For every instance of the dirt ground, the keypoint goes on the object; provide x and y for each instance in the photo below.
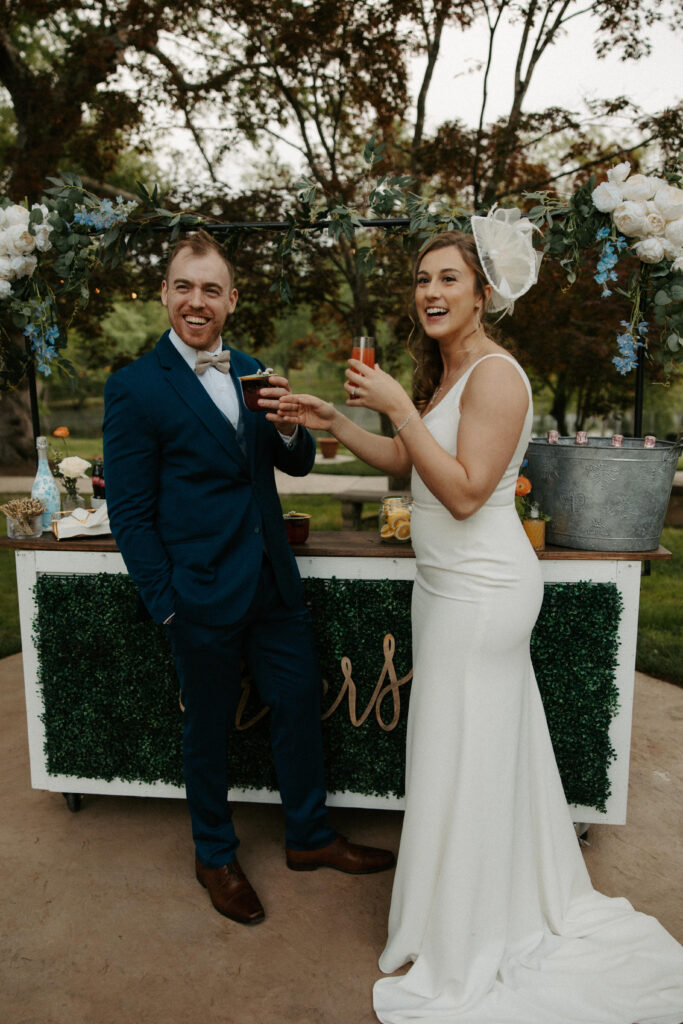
(103, 922)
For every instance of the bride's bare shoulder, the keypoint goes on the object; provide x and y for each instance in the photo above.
(497, 378)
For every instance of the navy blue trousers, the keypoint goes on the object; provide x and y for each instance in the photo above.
(277, 644)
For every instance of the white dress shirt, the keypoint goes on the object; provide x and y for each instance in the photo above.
(219, 386)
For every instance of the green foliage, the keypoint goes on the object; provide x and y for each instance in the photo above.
(574, 651)
(668, 309)
(111, 698)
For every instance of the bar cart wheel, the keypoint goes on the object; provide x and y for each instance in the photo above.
(73, 801)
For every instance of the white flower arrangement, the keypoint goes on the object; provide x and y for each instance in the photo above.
(643, 207)
(73, 466)
(20, 236)
(69, 470)
(646, 214)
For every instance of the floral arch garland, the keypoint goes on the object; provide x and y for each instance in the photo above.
(49, 251)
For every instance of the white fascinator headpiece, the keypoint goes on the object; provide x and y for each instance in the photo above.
(507, 255)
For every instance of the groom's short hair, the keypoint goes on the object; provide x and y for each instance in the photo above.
(201, 243)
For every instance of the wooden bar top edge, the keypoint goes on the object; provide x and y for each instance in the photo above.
(341, 544)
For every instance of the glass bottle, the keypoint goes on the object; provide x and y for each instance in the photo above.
(45, 486)
(553, 436)
(649, 441)
(97, 483)
(534, 527)
(581, 437)
(617, 441)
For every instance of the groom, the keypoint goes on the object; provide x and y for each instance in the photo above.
(194, 510)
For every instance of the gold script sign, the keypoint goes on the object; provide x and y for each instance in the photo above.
(388, 683)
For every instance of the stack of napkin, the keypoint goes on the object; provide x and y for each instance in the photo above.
(83, 522)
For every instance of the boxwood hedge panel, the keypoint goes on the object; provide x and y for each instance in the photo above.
(111, 697)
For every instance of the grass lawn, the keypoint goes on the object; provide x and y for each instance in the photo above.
(86, 447)
(660, 638)
(89, 447)
(10, 641)
(353, 468)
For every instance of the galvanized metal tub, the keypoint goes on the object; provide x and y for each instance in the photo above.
(601, 498)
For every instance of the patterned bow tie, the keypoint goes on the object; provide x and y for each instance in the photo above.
(220, 360)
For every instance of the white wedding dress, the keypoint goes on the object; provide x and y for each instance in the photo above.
(492, 902)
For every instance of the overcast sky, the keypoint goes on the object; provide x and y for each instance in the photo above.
(567, 72)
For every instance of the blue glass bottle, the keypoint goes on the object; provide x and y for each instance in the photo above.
(45, 486)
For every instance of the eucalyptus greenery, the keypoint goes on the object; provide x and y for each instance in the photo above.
(88, 232)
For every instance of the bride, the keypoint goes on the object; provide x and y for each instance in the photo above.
(492, 905)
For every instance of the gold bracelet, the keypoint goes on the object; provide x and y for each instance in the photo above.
(406, 420)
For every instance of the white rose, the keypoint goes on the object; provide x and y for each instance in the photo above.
(43, 209)
(654, 222)
(606, 197)
(73, 466)
(618, 174)
(676, 265)
(19, 240)
(671, 251)
(5, 269)
(23, 266)
(4, 245)
(42, 236)
(42, 231)
(650, 250)
(669, 200)
(638, 187)
(15, 216)
(674, 231)
(5, 289)
(629, 218)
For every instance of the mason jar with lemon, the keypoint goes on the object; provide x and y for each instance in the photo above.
(394, 519)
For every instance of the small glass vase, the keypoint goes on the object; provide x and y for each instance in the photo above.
(72, 501)
(31, 530)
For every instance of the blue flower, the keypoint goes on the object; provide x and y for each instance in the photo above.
(609, 257)
(628, 346)
(105, 215)
(43, 334)
(624, 365)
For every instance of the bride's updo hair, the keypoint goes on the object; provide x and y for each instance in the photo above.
(424, 350)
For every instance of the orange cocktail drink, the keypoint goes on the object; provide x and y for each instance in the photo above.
(364, 350)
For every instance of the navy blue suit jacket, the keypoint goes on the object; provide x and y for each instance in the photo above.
(190, 502)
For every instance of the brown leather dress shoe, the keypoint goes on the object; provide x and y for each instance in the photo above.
(230, 892)
(343, 856)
